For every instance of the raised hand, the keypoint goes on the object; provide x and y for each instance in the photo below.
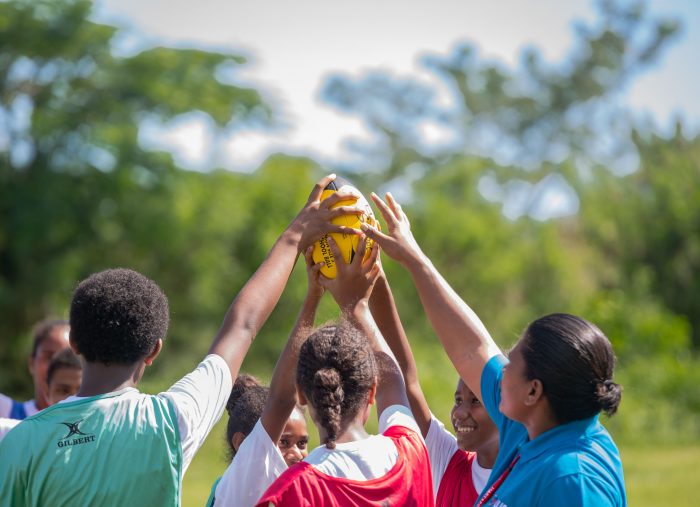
(399, 243)
(314, 219)
(313, 273)
(354, 281)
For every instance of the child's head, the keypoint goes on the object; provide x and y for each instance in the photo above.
(50, 337)
(64, 376)
(336, 374)
(118, 317)
(472, 423)
(245, 406)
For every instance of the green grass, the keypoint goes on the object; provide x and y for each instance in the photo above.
(661, 475)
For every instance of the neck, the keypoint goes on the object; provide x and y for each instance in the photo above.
(486, 454)
(100, 378)
(356, 431)
(540, 421)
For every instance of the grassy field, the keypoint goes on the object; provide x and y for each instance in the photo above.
(654, 475)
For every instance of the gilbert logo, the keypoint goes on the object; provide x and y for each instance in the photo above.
(74, 431)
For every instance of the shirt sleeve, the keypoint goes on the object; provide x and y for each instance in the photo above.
(578, 490)
(398, 415)
(199, 399)
(256, 465)
(441, 445)
(491, 388)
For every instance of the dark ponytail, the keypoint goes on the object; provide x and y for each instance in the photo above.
(336, 371)
(574, 361)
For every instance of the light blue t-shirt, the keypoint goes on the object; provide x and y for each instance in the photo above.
(575, 464)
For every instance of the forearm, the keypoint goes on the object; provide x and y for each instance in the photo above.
(386, 316)
(256, 300)
(282, 398)
(465, 338)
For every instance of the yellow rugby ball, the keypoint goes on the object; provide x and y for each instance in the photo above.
(347, 243)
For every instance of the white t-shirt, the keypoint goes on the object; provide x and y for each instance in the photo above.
(442, 445)
(6, 406)
(199, 399)
(6, 425)
(256, 465)
(370, 458)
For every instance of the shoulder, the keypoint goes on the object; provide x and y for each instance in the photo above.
(294, 482)
(581, 489)
(398, 416)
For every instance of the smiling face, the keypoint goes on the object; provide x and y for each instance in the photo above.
(293, 444)
(472, 424)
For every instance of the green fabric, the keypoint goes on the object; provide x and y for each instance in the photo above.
(212, 495)
(115, 449)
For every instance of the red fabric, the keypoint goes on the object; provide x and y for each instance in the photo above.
(408, 483)
(457, 487)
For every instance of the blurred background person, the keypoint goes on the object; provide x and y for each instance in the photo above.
(50, 337)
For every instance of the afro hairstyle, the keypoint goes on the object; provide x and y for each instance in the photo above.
(117, 316)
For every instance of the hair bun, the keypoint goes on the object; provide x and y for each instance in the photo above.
(242, 384)
(609, 395)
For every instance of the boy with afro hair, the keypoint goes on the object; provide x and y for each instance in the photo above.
(113, 445)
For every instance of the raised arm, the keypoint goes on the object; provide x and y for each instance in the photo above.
(386, 315)
(256, 300)
(282, 397)
(466, 340)
(351, 289)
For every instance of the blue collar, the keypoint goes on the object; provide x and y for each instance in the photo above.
(559, 436)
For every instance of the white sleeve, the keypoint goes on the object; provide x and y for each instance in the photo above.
(5, 405)
(199, 399)
(398, 415)
(6, 425)
(441, 445)
(256, 465)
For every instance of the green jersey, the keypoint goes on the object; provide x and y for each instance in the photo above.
(119, 448)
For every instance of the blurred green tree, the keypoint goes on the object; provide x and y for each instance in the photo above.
(78, 192)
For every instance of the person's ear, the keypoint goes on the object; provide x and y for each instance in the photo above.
(300, 396)
(535, 393)
(237, 440)
(148, 360)
(372, 393)
(72, 344)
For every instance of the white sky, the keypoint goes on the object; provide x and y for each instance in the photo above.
(291, 46)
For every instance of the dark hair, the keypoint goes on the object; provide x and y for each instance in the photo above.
(245, 406)
(63, 359)
(574, 361)
(335, 372)
(117, 316)
(43, 330)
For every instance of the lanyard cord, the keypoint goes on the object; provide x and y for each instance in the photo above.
(487, 496)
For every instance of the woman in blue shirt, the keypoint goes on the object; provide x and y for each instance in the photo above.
(545, 397)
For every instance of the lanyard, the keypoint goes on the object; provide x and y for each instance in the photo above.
(487, 496)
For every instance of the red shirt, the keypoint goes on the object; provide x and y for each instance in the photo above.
(456, 486)
(408, 483)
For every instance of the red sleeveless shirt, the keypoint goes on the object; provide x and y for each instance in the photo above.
(408, 483)
(456, 486)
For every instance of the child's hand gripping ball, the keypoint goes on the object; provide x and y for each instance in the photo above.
(348, 243)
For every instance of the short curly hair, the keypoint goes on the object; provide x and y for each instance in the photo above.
(117, 316)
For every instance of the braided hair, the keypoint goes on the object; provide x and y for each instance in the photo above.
(336, 371)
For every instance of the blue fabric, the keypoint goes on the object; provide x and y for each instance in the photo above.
(574, 464)
(18, 411)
